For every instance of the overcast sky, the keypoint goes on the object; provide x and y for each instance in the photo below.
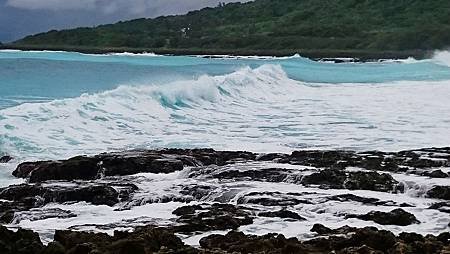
(23, 17)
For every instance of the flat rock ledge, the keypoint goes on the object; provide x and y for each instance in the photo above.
(172, 160)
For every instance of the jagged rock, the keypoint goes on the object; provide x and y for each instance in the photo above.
(273, 199)
(211, 217)
(328, 178)
(42, 214)
(373, 160)
(436, 174)
(322, 230)
(20, 242)
(5, 159)
(439, 192)
(84, 168)
(125, 163)
(276, 157)
(285, 214)
(198, 192)
(370, 181)
(237, 242)
(268, 174)
(27, 196)
(338, 179)
(366, 201)
(441, 206)
(143, 240)
(323, 159)
(95, 194)
(185, 210)
(395, 217)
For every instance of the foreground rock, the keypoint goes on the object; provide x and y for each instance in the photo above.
(395, 217)
(20, 242)
(145, 240)
(365, 240)
(142, 241)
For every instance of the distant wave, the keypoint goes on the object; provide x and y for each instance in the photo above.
(133, 54)
(442, 57)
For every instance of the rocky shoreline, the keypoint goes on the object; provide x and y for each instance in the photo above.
(378, 199)
(319, 55)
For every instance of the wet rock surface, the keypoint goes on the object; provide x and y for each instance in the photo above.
(126, 163)
(5, 159)
(395, 217)
(439, 192)
(208, 217)
(24, 197)
(162, 196)
(337, 179)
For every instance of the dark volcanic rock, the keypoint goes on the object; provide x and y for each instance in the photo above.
(374, 160)
(143, 240)
(330, 178)
(211, 217)
(338, 179)
(268, 174)
(237, 242)
(5, 159)
(285, 214)
(395, 217)
(436, 174)
(273, 199)
(323, 159)
(95, 194)
(322, 230)
(364, 240)
(370, 181)
(25, 197)
(441, 206)
(126, 163)
(439, 192)
(20, 242)
(84, 168)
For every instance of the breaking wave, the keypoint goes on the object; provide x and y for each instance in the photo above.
(257, 109)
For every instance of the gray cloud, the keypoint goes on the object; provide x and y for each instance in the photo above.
(54, 5)
(137, 7)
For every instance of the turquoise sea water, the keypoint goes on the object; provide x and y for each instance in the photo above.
(57, 104)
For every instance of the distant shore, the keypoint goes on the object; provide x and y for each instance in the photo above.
(362, 55)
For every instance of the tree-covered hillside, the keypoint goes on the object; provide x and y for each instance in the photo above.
(276, 25)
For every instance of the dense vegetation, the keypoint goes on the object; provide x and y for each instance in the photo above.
(276, 25)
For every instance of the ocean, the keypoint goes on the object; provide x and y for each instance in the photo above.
(54, 105)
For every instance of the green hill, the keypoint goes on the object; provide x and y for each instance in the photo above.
(273, 25)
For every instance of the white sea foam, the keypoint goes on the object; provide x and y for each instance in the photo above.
(260, 109)
(319, 209)
(442, 57)
(148, 54)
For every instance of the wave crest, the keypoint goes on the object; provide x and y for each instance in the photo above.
(442, 57)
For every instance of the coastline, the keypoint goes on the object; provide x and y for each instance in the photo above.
(198, 197)
(315, 54)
